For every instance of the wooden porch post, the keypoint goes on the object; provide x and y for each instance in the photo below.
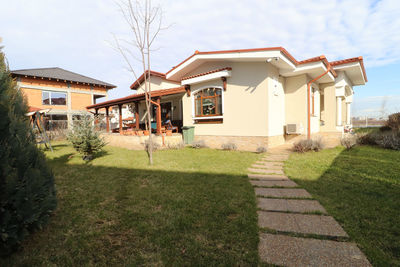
(137, 115)
(107, 120)
(158, 117)
(96, 117)
(120, 118)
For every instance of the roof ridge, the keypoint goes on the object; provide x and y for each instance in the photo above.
(205, 73)
(36, 69)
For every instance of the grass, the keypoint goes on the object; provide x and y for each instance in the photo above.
(366, 129)
(361, 189)
(194, 206)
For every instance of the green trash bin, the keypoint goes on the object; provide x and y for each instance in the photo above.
(188, 134)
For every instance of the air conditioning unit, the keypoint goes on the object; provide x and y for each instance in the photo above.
(294, 128)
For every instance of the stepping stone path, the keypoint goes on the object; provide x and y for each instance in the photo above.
(295, 230)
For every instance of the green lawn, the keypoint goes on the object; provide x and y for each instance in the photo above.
(361, 189)
(191, 207)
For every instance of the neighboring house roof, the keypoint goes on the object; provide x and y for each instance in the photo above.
(205, 73)
(60, 74)
(138, 97)
(140, 80)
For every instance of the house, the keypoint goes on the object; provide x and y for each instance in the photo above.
(252, 97)
(65, 93)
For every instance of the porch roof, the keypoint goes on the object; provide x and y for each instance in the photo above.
(138, 97)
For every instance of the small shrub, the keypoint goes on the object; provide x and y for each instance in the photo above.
(84, 138)
(308, 145)
(156, 146)
(348, 141)
(199, 144)
(229, 146)
(176, 146)
(261, 149)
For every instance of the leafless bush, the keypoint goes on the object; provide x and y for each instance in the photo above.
(393, 121)
(389, 140)
(261, 149)
(348, 141)
(176, 146)
(308, 145)
(199, 144)
(366, 138)
(229, 146)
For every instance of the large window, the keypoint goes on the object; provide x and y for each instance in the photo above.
(208, 102)
(54, 98)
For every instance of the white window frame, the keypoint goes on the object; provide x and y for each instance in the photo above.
(193, 93)
(50, 97)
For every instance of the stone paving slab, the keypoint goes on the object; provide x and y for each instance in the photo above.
(282, 192)
(266, 171)
(268, 177)
(274, 159)
(294, 251)
(281, 156)
(293, 205)
(264, 166)
(301, 223)
(270, 163)
(287, 183)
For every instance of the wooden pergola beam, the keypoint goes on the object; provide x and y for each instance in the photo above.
(223, 83)
(187, 88)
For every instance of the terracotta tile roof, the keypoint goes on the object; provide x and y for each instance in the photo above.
(350, 60)
(205, 73)
(279, 48)
(138, 97)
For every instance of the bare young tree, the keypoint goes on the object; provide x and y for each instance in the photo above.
(145, 23)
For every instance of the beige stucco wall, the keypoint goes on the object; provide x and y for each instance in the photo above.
(329, 112)
(157, 83)
(245, 100)
(296, 100)
(276, 102)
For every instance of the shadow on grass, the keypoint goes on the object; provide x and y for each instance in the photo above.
(361, 189)
(118, 216)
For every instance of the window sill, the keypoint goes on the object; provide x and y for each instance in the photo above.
(212, 120)
(207, 117)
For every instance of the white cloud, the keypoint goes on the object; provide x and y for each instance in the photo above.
(72, 34)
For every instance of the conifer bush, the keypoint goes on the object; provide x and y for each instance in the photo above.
(27, 192)
(84, 137)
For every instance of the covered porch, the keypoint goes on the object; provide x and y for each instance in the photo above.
(165, 106)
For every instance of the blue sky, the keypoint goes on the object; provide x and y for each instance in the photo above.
(75, 35)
